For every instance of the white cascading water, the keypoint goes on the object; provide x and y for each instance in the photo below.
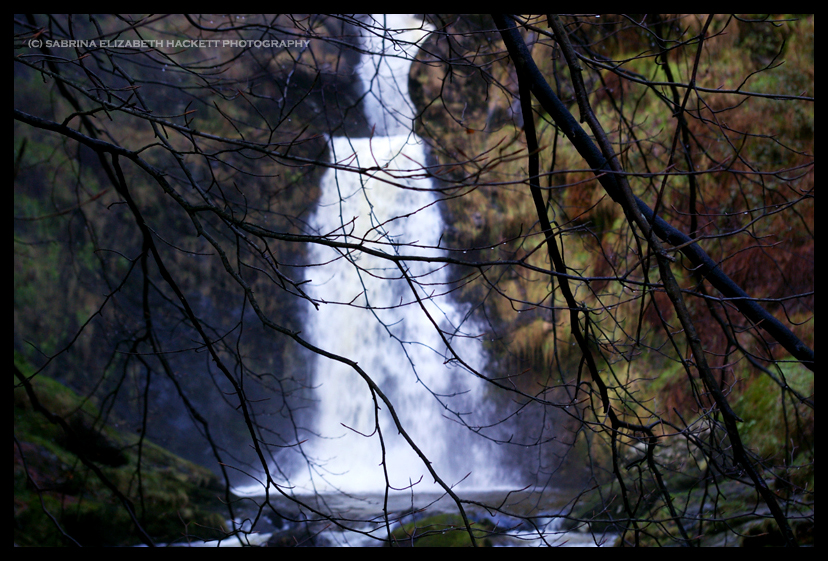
(370, 315)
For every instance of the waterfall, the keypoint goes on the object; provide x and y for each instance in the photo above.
(370, 314)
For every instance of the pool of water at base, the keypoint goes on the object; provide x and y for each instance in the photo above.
(522, 518)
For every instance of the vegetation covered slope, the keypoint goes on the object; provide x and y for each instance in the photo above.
(61, 450)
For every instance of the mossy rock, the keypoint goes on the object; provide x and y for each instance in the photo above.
(443, 530)
(59, 500)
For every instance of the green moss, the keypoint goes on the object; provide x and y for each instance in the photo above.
(56, 495)
(759, 404)
(442, 530)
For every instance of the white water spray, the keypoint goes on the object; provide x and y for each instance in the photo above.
(370, 314)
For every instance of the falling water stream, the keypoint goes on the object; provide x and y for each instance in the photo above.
(371, 314)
